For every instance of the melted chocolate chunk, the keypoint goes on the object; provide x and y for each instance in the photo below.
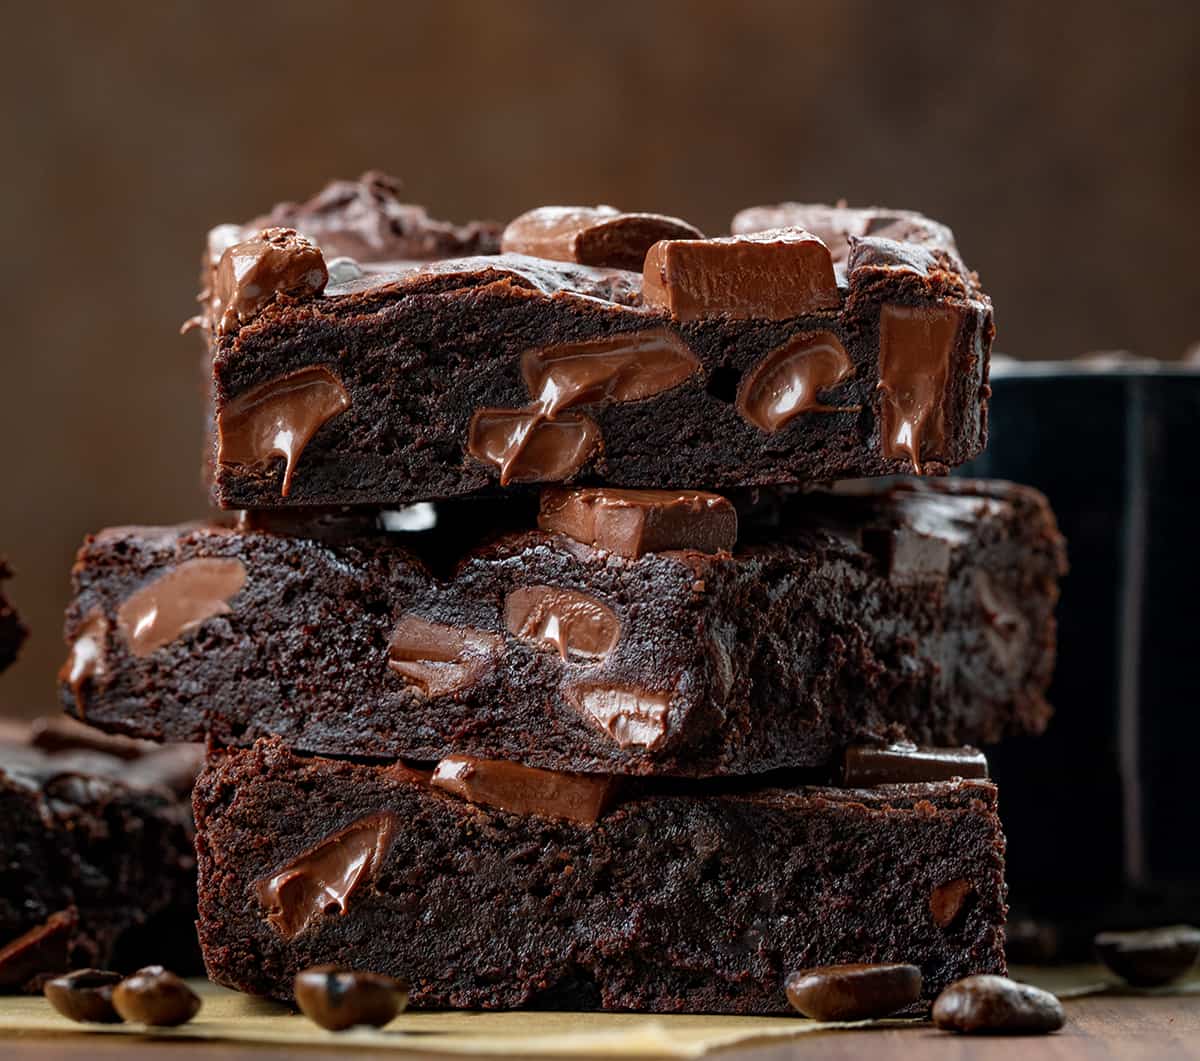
(632, 717)
(915, 344)
(278, 419)
(769, 275)
(439, 659)
(632, 522)
(575, 623)
(946, 901)
(521, 789)
(251, 273)
(619, 368)
(322, 880)
(178, 601)
(591, 235)
(87, 660)
(44, 948)
(853, 992)
(528, 448)
(788, 381)
(904, 764)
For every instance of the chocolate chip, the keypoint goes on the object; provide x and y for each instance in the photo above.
(1151, 957)
(789, 379)
(854, 992)
(251, 273)
(591, 235)
(528, 448)
(338, 999)
(996, 1004)
(577, 624)
(521, 789)
(85, 995)
(947, 900)
(904, 763)
(157, 997)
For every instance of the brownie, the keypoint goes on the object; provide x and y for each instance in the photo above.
(916, 609)
(664, 898)
(597, 347)
(96, 861)
(12, 631)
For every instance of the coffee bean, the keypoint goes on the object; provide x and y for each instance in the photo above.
(337, 998)
(155, 996)
(853, 992)
(996, 1004)
(84, 995)
(1152, 957)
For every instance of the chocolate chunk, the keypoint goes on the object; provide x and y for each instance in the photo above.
(528, 448)
(521, 789)
(1151, 957)
(877, 253)
(322, 880)
(337, 998)
(85, 995)
(591, 235)
(87, 660)
(769, 275)
(997, 1005)
(251, 273)
(854, 992)
(632, 717)
(177, 601)
(575, 623)
(904, 764)
(915, 344)
(278, 419)
(155, 996)
(632, 522)
(619, 368)
(908, 556)
(947, 901)
(788, 381)
(42, 949)
(439, 659)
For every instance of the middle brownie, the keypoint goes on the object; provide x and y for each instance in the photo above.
(902, 611)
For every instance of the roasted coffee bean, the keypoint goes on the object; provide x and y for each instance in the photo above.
(337, 998)
(853, 992)
(996, 1004)
(84, 995)
(155, 996)
(1150, 958)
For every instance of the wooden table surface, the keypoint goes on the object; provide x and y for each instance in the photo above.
(1098, 1027)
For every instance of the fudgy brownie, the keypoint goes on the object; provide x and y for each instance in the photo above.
(12, 631)
(96, 860)
(879, 611)
(598, 346)
(491, 885)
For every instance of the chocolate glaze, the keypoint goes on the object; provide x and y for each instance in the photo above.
(591, 235)
(251, 273)
(633, 522)
(575, 623)
(177, 601)
(521, 789)
(528, 448)
(915, 344)
(439, 659)
(279, 418)
(904, 763)
(769, 275)
(629, 716)
(87, 660)
(789, 379)
(324, 878)
(619, 368)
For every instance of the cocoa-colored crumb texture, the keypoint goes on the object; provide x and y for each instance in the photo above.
(12, 631)
(677, 900)
(895, 611)
(96, 857)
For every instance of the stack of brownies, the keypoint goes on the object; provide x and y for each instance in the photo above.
(500, 696)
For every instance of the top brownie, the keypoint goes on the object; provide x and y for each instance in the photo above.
(363, 353)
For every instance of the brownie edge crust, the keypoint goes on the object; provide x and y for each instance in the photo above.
(673, 900)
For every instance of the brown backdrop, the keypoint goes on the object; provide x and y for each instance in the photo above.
(1061, 141)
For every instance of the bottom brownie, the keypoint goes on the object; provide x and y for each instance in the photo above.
(96, 860)
(679, 897)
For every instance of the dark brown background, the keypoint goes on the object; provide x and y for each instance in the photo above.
(1061, 141)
